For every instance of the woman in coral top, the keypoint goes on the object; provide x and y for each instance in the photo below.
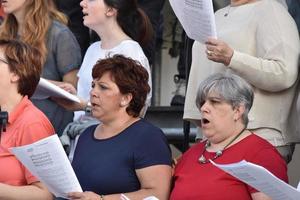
(26, 124)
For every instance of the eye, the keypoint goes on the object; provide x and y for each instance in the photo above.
(213, 101)
(93, 84)
(202, 103)
(103, 87)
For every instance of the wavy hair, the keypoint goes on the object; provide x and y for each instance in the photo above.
(130, 77)
(38, 18)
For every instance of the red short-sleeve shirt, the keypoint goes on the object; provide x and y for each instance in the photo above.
(206, 182)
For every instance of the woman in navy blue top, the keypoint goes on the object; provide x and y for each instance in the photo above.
(124, 153)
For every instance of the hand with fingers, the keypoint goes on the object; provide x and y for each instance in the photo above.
(70, 105)
(218, 51)
(67, 87)
(84, 196)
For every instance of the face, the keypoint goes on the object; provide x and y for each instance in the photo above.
(7, 78)
(15, 7)
(106, 99)
(218, 118)
(94, 13)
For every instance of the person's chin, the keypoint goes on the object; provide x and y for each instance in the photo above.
(85, 23)
(206, 131)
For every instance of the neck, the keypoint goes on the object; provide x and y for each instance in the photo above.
(113, 127)
(20, 15)
(111, 35)
(10, 103)
(234, 138)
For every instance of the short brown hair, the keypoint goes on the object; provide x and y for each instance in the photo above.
(130, 77)
(25, 61)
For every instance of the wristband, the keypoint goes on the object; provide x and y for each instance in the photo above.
(88, 109)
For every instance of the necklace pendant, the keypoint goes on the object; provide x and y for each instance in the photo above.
(202, 159)
(219, 153)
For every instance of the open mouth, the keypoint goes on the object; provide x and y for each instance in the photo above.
(84, 13)
(204, 121)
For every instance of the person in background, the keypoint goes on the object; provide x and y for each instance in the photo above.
(123, 144)
(264, 52)
(152, 8)
(224, 101)
(294, 10)
(38, 23)
(73, 10)
(122, 26)
(20, 68)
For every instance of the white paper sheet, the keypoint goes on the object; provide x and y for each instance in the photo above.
(196, 17)
(261, 179)
(47, 160)
(46, 89)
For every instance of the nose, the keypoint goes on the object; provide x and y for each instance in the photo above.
(83, 3)
(93, 93)
(204, 107)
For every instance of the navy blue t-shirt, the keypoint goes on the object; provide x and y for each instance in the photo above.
(107, 166)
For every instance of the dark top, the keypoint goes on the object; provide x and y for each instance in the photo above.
(108, 166)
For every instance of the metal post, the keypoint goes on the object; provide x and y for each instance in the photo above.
(188, 43)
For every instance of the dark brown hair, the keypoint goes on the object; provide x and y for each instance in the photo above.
(133, 20)
(25, 61)
(130, 77)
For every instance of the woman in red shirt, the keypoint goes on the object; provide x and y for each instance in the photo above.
(224, 101)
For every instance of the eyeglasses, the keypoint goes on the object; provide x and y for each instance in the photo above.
(3, 60)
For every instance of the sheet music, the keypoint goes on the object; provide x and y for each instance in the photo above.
(261, 179)
(46, 89)
(47, 160)
(196, 17)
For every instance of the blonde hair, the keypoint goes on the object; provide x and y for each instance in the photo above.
(38, 19)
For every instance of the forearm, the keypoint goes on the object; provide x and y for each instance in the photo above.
(259, 196)
(267, 74)
(140, 194)
(35, 191)
(71, 77)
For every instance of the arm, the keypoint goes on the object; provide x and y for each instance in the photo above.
(69, 82)
(151, 185)
(67, 55)
(271, 73)
(71, 77)
(259, 196)
(272, 65)
(35, 191)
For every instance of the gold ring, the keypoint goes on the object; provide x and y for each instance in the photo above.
(209, 52)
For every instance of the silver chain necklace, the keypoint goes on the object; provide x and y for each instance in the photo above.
(203, 160)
